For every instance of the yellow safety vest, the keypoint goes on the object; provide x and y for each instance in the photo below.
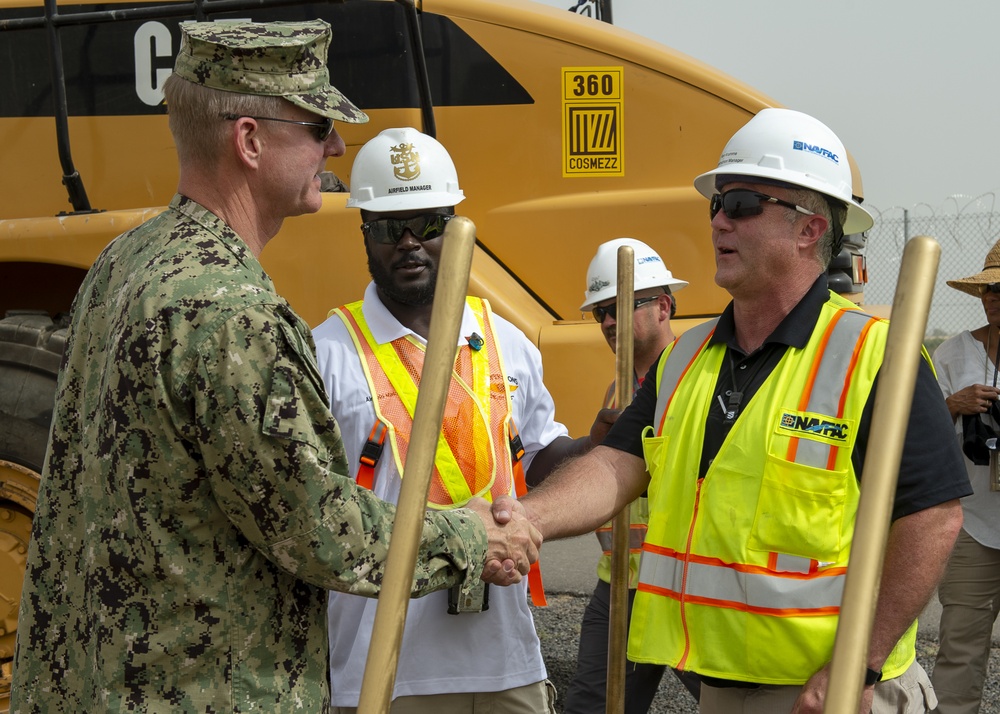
(638, 519)
(742, 571)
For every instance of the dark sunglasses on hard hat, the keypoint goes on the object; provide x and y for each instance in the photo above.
(989, 288)
(612, 309)
(743, 203)
(323, 128)
(389, 231)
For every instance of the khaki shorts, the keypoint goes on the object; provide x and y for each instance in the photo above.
(537, 698)
(909, 693)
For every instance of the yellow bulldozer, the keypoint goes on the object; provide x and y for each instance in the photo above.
(566, 131)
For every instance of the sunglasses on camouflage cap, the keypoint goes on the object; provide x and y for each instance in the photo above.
(389, 231)
(743, 203)
(323, 128)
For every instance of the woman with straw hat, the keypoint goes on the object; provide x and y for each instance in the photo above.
(970, 591)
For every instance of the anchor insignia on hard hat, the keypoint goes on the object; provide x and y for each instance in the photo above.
(405, 162)
(598, 284)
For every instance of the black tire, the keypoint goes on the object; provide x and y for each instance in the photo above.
(31, 348)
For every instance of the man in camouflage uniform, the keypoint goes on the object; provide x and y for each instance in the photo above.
(192, 510)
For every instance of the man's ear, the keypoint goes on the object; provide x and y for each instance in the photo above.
(665, 310)
(246, 141)
(813, 228)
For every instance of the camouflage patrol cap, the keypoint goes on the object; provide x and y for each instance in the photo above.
(280, 59)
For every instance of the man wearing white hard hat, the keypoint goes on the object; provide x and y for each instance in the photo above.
(654, 288)
(653, 308)
(753, 428)
(459, 654)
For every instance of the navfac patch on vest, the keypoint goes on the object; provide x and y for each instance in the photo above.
(819, 427)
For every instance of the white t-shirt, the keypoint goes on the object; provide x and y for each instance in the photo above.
(472, 652)
(961, 361)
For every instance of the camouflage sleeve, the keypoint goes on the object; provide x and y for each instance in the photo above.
(276, 461)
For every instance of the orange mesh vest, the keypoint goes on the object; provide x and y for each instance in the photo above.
(478, 451)
(472, 456)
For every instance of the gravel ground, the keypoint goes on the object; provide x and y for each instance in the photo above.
(558, 628)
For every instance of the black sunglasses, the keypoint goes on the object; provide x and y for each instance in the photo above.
(601, 312)
(989, 288)
(742, 203)
(389, 231)
(323, 128)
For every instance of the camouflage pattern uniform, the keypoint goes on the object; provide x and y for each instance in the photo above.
(193, 509)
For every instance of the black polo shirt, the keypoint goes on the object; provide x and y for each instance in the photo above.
(932, 470)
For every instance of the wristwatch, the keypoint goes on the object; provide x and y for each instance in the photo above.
(872, 676)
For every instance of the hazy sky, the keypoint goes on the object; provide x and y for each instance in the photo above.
(909, 86)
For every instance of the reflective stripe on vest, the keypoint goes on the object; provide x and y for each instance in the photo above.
(636, 536)
(675, 362)
(773, 569)
(744, 587)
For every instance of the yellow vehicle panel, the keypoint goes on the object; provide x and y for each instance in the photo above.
(537, 228)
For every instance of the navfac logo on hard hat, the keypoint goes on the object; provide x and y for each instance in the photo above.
(814, 149)
(405, 162)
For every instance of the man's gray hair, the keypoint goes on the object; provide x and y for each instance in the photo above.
(195, 114)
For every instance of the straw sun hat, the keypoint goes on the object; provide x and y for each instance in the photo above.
(989, 274)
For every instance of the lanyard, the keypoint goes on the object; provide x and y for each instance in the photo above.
(731, 406)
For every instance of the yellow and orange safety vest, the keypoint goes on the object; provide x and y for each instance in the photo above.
(742, 571)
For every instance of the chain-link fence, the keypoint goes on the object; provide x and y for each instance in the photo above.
(965, 227)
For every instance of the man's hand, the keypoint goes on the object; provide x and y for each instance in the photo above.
(503, 509)
(602, 425)
(974, 399)
(813, 696)
(513, 542)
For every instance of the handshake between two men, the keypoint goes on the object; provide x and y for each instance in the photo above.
(579, 496)
(512, 541)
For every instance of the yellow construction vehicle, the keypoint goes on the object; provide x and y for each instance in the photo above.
(566, 131)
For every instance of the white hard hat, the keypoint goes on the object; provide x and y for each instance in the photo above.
(602, 275)
(794, 148)
(401, 170)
